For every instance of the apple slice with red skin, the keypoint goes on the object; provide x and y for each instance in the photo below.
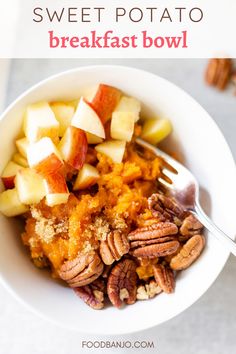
(105, 101)
(9, 174)
(73, 147)
(87, 119)
(44, 157)
(56, 189)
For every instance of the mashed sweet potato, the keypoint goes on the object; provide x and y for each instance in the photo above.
(118, 201)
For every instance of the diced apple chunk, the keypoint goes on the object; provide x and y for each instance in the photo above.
(20, 160)
(40, 121)
(44, 157)
(105, 101)
(9, 174)
(56, 199)
(63, 113)
(129, 104)
(93, 139)
(10, 204)
(30, 186)
(56, 189)
(155, 130)
(122, 125)
(22, 146)
(73, 147)
(87, 176)
(114, 149)
(87, 119)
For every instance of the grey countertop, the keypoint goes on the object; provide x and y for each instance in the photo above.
(209, 326)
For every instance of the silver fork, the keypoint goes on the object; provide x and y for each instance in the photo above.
(184, 187)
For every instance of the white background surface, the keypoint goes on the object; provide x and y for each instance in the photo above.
(210, 324)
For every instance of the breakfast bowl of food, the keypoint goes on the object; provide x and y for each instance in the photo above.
(91, 238)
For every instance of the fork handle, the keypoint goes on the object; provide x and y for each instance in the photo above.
(228, 243)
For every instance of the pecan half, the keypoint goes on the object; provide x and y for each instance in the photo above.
(218, 72)
(92, 294)
(114, 247)
(135, 244)
(156, 250)
(164, 208)
(191, 226)
(188, 253)
(148, 290)
(122, 283)
(154, 241)
(154, 231)
(82, 270)
(164, 277)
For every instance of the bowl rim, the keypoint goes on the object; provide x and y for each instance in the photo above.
(58, 75)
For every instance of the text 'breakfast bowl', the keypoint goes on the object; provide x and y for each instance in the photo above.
(130, 233)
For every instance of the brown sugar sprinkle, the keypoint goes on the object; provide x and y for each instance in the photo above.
(119, 223)
(48, 228)
(100, 227)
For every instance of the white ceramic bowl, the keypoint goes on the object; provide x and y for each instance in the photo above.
(206, 154)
